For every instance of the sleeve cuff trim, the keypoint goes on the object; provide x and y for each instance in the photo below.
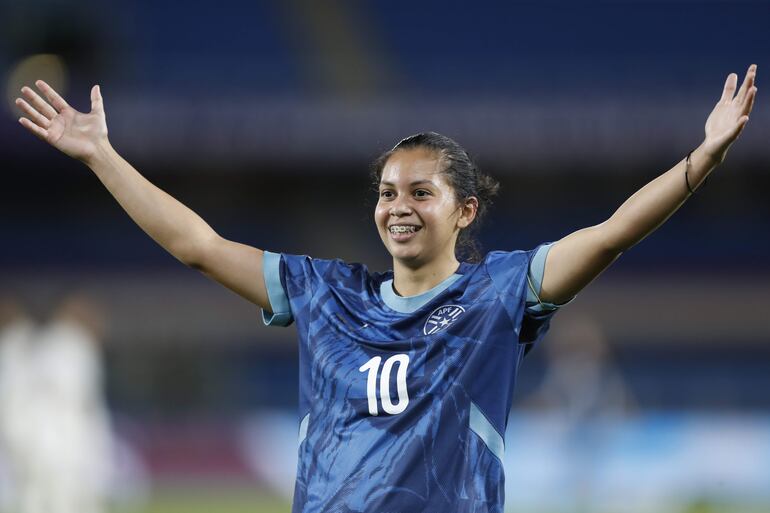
(271, 268)
(535, 281)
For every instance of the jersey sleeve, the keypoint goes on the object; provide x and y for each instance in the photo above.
(535, 282)
(293, 280)
(518, 276)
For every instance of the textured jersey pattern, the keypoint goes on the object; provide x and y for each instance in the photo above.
(441, 452)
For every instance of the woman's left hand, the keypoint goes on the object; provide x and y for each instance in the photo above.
(730, 115)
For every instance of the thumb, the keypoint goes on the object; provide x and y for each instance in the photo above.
(96, 99)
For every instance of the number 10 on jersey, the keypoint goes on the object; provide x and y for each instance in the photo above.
(373, 366)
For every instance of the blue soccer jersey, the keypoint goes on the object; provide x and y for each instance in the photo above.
(404, 400)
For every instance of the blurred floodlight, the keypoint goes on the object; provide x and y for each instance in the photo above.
(45, 66)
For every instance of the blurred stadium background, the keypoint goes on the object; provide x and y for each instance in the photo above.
(651, 392)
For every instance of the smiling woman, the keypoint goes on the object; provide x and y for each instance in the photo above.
(430, 195)
(406, 377)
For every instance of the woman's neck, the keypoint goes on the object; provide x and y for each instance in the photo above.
(408, 281)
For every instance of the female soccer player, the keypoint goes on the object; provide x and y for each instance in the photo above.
(406, 377)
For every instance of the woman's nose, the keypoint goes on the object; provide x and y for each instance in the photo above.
(400, 207)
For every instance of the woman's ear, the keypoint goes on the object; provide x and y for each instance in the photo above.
(468, 212)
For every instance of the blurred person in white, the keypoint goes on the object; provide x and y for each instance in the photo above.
(16, 330)
(55, 427)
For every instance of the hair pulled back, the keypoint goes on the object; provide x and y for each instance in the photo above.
(462, 174)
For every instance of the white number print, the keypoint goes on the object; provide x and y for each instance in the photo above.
(373, 366)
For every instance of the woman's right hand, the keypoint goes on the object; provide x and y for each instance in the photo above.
(77, 134)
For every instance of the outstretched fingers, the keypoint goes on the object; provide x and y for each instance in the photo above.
(33, 114)
(38, 103)
(729, 89)
(748, 82)
(53, 97)
(40, 132)
(749, 100)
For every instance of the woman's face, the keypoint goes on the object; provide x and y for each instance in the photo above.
(417, 215)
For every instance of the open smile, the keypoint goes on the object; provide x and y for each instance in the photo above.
(403, 232)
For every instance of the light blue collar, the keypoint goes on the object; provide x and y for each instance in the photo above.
(409, 304)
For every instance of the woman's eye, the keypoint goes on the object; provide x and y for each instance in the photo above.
(386, 194)
(421, 193)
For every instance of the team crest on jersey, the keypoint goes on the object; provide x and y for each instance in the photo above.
(441, 318)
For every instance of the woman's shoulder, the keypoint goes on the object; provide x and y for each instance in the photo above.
(331, 270)
(516, 255)
(505, 257)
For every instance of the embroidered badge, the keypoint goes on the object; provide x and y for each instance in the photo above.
(441, 318)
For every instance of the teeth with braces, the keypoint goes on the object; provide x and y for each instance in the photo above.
(403, 229)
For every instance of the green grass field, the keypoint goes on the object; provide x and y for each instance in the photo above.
(210, 501)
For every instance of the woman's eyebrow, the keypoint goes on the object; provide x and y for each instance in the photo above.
(416, 182)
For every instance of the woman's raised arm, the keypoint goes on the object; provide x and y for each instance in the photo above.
(574, 261)
(178, 229)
